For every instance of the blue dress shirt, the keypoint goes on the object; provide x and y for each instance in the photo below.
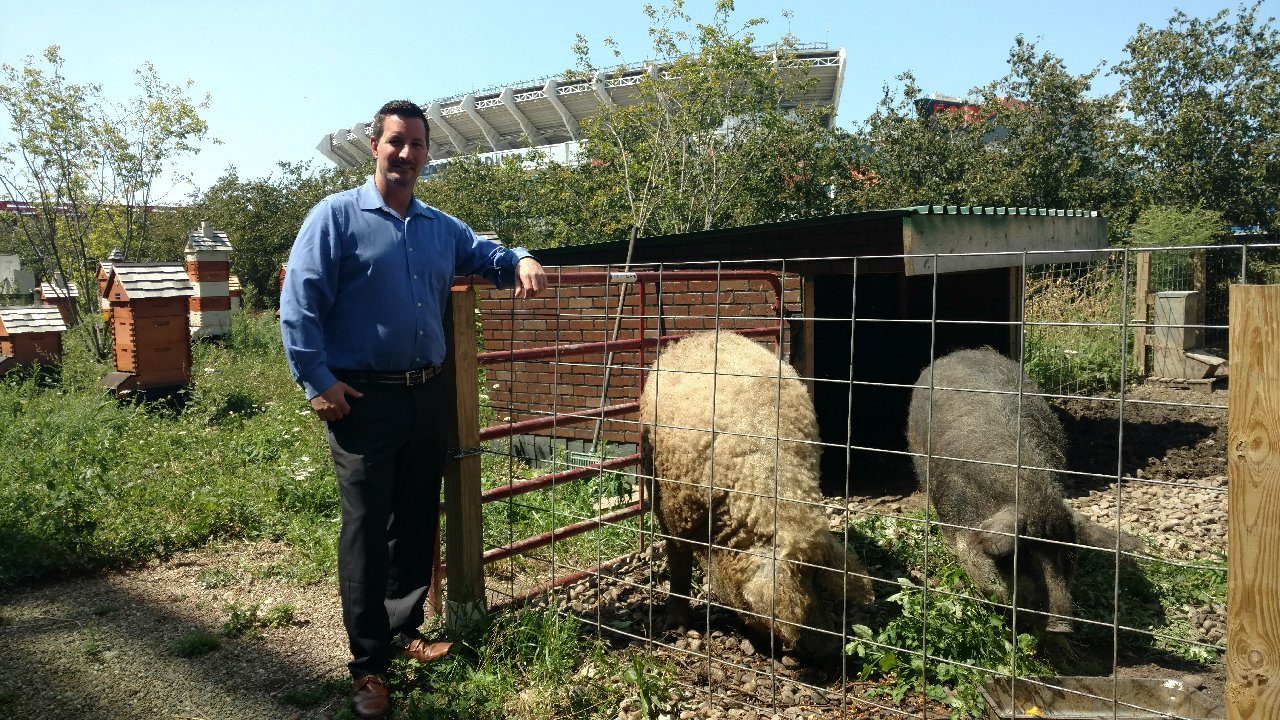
(365, 289)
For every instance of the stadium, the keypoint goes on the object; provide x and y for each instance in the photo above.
(544, 114)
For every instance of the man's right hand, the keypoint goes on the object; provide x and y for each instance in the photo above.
(332, 404)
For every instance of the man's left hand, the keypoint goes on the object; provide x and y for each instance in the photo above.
(531, 279)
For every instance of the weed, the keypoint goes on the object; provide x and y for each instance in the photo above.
(278, 616)
(8, 697)
(1086, 355)
(313, 695)
(195, 644)
(104, 610)
(652, 683)
(215, 578)
(241, 619)
(92, 645)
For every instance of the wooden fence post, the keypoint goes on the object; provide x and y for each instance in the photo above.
(465, 605)
(1253, 511)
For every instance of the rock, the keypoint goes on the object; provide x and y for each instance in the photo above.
(746, 647)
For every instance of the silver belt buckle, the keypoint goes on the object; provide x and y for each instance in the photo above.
(408, 377)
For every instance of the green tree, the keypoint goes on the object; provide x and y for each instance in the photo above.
(152, 131)
(261, 216)
(1165, 226)
(85, 170)
(1205, 129)
(1036, 137)
(688, 155)
(51, 164)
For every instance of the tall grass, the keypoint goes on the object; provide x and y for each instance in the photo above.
(90, 482)
(1073, 341)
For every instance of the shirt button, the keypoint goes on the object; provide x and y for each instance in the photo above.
(415, 277)
(419, 332)
(419, 304)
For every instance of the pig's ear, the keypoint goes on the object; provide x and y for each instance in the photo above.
(995, 536)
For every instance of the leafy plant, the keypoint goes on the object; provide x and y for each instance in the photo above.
(246, 619)
(92, 645)
(944, 641)
(241, 619)
(195, 644)
(278, 616)
(215, 578)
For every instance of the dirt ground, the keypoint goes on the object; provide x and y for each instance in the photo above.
(101, 647)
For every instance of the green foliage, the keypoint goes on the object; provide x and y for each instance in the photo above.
(262, 217)
(1203, 94)
(88, 168)
(89, 482)
(313, 695)
(195, 644)
(1166, 226)
(529, 664)
(215, 578)
(92, 645)
(247, 619)
(558, 505)
(1086, 355)
(1037, 138)
(944, 640)
(948, 641)
(241, 619)
(278, 616)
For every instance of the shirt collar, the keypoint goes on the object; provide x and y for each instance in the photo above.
(370, 199)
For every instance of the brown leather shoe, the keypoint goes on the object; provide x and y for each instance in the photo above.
(424, 651)
(369, 696)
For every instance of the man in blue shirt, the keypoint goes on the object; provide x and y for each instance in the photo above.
(361, 315)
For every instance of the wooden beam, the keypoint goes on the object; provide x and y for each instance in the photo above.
(972, 242)
(802, 333)
(465, 605)
(1253, 510)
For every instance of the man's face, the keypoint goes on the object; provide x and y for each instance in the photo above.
(401, 152)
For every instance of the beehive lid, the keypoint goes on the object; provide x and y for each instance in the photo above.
(141, 281)
(35, 319)
(207, 241)
(52, 290)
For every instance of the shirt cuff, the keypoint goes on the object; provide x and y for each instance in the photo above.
(317, 382)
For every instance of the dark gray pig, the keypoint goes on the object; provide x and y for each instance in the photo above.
(955, 431)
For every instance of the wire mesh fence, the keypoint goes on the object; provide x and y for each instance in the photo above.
(1052, 518)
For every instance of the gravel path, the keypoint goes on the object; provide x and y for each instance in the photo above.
(100, 647)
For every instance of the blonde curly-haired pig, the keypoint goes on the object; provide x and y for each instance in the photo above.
(741, 470)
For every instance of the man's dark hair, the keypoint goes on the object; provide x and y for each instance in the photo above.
(402, 109)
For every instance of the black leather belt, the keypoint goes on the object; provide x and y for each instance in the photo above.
(412, 377)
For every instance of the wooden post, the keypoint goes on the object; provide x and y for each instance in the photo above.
(1253, 511)
(465, 605)
(1142, 286)
(802, 333)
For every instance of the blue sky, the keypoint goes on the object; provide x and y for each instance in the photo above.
(281, 74)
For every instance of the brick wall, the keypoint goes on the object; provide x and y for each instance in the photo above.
(585, 313)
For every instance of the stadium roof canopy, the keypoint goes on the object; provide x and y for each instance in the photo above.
(546, 112)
